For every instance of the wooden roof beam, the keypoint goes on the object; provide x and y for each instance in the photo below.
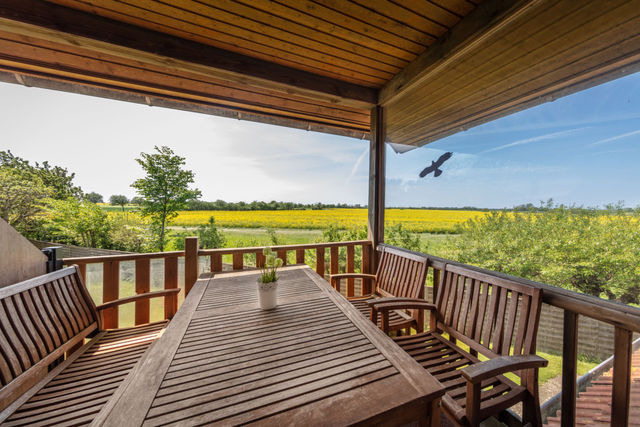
(65, 25)
(489, 17)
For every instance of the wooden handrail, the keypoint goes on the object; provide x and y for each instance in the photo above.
(277, 248)
(120, 257)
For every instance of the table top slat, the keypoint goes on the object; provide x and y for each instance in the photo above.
(229, 362)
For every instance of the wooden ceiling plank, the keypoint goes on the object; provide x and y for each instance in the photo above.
(321, 26)
(105, 69)
(496, 57)
(169, 20)
(365, 19)
(75, 27)
(405, 16)
(284, 28)
(432, 11)
(459, 7)
(591, 67)
(494, 78)
(474, 29)
(205, 17)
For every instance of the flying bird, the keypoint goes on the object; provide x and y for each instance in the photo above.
(436, 165)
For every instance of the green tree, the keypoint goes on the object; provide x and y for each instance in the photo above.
(22, 197)
(119, 200)
(94, 197)
(56, 178)
(165, 189)
(210, 236)
(81, 223)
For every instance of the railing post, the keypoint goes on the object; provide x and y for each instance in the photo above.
(190, 263)
(110, 292)
(170, 282)
(569, 368)
(621, 377)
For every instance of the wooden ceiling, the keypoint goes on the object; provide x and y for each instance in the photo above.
(436, 66)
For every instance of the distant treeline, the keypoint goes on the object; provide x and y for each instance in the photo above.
(221, 205)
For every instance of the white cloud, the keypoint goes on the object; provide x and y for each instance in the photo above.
(615, 138)
(533, 139)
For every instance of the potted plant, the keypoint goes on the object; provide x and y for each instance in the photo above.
(268, 280)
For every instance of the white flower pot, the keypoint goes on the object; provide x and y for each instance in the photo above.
(268, 295)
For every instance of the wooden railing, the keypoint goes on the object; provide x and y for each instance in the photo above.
(624, 318)
(323, 257)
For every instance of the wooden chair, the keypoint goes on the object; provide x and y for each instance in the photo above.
(486, 315)
(401, 273)
(42, 319)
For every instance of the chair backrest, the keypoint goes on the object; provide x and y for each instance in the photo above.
(40, 319)
(401, 273)
(492, 315)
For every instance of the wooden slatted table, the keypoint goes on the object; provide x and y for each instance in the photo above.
(314, 360)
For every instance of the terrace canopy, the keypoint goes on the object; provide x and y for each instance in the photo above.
(404, 71)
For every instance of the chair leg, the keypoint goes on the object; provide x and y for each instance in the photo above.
(531, 403)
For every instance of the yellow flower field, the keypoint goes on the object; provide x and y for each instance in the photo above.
(415, 220)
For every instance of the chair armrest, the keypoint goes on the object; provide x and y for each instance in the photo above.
(386, 304)
(500, 365)
(146, 295)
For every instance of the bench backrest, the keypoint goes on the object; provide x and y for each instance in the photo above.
(492, 315)
(40, 319)
(401, 273)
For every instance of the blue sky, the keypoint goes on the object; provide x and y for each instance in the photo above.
(582, 149)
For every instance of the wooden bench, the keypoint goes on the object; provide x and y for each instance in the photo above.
(43, 319)
(401, 273)
(477, 313)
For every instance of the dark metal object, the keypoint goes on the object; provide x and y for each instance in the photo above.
(435, 166)
(53, 264)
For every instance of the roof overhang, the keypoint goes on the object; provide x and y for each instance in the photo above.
(436, 68)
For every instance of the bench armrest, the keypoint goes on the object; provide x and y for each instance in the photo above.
(146, 295)
(500, 365)
(384, 305)
(393, 303)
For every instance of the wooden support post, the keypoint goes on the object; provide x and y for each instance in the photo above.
(170, 282)
(110, 292)
(376, 180)
(190, 263)
(569, 368)
(260, 259)
(82, 271)
(142, 286)
(299, 256)
(621, 377)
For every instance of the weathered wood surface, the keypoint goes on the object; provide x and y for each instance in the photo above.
(312, 360)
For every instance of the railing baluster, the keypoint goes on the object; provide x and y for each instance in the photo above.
(82, 271)
(260, 259)
(282, 254)
(569, 367)
(170, 282)
(142, 286)
(621, 376)
(320, 261)
(238, 261)
(216, 262)
(299, 256)
(335, 260)
(366, 268)
(110, 292)
(351, 254)
(190, 263)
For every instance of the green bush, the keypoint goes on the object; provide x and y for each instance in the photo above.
(596, 252)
